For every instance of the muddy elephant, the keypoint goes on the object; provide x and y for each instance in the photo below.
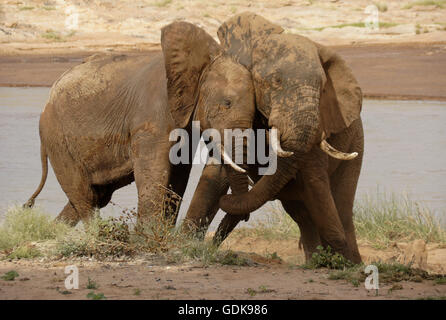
(108, 120)
(308, 93)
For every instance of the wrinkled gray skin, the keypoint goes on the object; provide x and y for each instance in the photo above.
(107, 121)
(303, 89)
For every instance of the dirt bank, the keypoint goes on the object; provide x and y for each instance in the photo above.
(406, 71)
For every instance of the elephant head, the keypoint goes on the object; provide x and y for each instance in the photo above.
(204, 81)
(305, 90)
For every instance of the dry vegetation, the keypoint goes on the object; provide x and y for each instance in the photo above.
(381, 221)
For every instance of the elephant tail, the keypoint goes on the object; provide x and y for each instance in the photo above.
(44, 160)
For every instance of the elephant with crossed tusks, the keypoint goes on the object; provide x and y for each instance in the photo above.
(309, 95)
(108, 120)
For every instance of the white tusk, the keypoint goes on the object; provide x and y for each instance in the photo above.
(250, 182)
(332, 152)
(275, 144)
(227, 159)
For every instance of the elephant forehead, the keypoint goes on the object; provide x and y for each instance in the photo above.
(286, 49)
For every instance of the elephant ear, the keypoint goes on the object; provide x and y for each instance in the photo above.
(239, 34)
(187, 50)
(341, 98)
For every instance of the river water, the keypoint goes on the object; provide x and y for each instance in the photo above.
(405, 153)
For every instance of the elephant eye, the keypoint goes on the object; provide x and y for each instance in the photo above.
(227, 103)
(277, 79)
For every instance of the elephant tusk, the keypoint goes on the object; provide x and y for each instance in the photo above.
(275, 144)
(227, 159)
(332, 152)
(250, 182)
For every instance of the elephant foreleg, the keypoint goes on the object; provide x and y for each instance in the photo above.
(309, 235)
(344, 181)
(319, 201)
(151, 169)
(205, 202)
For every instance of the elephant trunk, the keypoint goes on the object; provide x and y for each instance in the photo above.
(299, 130)
(264, 190)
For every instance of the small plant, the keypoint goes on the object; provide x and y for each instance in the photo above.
(52, 35)
(274, 256)
(96, 296)
(26, 8)
(137, 292)
(91, 284)
(10, 275)
(251, 292)
(395, 287)
(24, 252)
(382, 7)
(264, 289)
(325, 258)
(440, 280)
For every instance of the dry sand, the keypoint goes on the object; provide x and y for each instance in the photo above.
(265, 278)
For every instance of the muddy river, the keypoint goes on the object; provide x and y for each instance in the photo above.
(405, 152)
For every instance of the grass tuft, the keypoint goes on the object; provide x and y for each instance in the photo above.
(384, 219)
(26, 8)
(162, 3)
(325, 258)
(10, 275)
(22, 226)
(382, 7)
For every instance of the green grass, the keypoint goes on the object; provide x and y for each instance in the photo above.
(24, 252)
(96, 296)
(325, 258)
(26, 8)
(91, 284)
(437, 3)
(52, 35)
(383, 219)
(10, 275)
(22, 226)
(380, 221)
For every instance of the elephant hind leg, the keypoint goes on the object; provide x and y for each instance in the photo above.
(75, 182)
(69, 215)
(309, 235)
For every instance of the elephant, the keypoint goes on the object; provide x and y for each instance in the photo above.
(108, 120)
(308, 93)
